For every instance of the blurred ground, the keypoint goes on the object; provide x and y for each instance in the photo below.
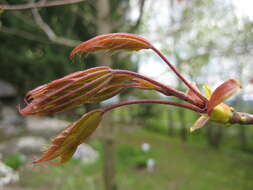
(177, 166)
(15, 188)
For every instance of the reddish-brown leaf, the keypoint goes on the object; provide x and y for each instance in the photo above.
(67, 92)
(199, 123)
(193, 95)
(222, 93)
(88, 86)
(65, 144)
(112, 42)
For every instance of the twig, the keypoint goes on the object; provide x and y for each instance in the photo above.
(167, 89)
(39, 5)
(23, 34)
(49, 31)
(187, 83)
(241, 118)
(138, 21)
(149, 101)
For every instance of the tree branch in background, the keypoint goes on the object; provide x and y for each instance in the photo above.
(134, 27)
(23, 34)
(40, 4)
(49, 31)
(138, 21)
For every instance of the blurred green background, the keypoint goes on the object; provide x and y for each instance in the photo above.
(140, 146)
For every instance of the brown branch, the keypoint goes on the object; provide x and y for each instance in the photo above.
(49, 31)
(39, 5)
(241, 118)
(138, 21)
(23, 34)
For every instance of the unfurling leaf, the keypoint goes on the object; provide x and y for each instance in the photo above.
(112, 42)
(193, 95)
(199, 123)
(106, 93)
(65, 144)
(222, 93)
(88, 86)
(67, 92)
(208, 91)
(143, 84)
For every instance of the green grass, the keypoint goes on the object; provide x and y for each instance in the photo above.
(178, 166)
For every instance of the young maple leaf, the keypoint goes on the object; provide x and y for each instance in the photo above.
(112, 42)
(65, 144)
(88, 86)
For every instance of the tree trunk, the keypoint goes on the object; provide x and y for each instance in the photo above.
(109, 166)
(171, 130)
(243, 137)
(104, 26)
(214, 135)
(183, 129)
(109, 173)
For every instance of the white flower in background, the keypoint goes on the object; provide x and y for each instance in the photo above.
(145, 147)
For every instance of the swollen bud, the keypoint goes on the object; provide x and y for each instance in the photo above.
(221, 114)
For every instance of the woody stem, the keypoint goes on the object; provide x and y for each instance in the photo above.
(186, 106)
(178, 74)
(241, 118)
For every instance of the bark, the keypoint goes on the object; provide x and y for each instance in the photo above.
(103, 27)
(241, 118)
(109, 169)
